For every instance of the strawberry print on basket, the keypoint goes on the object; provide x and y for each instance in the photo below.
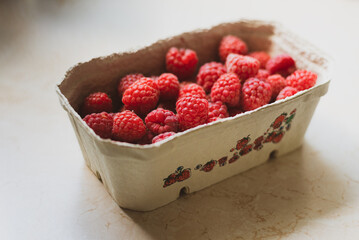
(243, 146)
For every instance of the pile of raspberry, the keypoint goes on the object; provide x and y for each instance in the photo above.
(157, 107)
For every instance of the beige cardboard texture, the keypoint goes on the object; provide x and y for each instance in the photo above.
(145, 177)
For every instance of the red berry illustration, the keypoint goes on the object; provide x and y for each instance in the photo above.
(232, 149)
(171, 179)
(233, 158)
(243, 142)
(278, 137)
(279, 120)
(183, 175)
(269, 137)
(209, 166)
(246, 150)
(258, 143)
(222, 161)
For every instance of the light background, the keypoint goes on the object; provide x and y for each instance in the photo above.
(46, 191)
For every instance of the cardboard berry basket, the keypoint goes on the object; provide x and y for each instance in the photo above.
(145, 177)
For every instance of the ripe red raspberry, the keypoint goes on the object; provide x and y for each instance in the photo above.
(262, 57)
(142, 96)
(217, 109)
(162, 136)
(234, 111)
(227, 89)
(255, 93)
(101, 123)
(191, 111)
(209, 73)
(181, 62)
(277, 83)
(128, 127)
(280, 63)
(244, 66)
(168, 85)
(286, 92)
(96, 103)
(146, 139)
(302, 79)
(231, 44)
(160, 120)
(262, 74)
(192, 90)
(127, 81)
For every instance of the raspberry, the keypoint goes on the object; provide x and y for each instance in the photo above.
(262, 74)
(181, 62)
(280, 63)
(286, 92)
(192, 90)
(234, 111)
(127, 81)
(162, 136)
(209, 73)
(217, 109)
(302, 79)
(128, 127)
(191, 111)
(277, 83)
(244, 66)
(96, 103)
(262, 57)
(101, 123)
(146, 139)
(255, 93)
(285, 73)
(231, 44)
(160, 120)
(227, 89)
(142, 96)
(168, 85)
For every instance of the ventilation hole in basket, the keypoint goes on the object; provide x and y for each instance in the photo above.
(98, 176)
(273, 155)
(184, 191)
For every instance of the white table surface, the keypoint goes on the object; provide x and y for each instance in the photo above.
(47, 192)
